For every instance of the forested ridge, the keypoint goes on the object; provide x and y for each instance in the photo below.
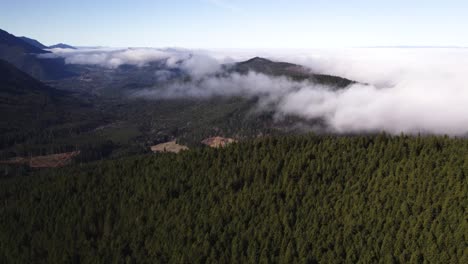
(294, 199)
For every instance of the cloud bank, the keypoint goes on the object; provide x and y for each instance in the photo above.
(407, 90)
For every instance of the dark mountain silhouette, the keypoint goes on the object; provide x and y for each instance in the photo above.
(34, 42)
(14, 81)
(27, 106)
(293, 71)
(23, 98)
(38, 44)
(28, 58)
(10, 43)
(61, 46)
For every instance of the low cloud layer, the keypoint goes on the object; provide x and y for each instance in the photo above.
(194, 63)
(409, 90)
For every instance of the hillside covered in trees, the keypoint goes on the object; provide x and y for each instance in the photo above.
(296, 199)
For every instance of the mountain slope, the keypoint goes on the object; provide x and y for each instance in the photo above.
(25, 102)
(293, 71)
(61, 46)
(28, 107)
(34, 42)
(25, 57)
(9, 42)
(20, 90)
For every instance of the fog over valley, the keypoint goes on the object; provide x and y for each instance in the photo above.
(409, 90)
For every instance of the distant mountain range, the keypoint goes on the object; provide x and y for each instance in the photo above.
(38, 44)
(34, 42)
(10, 43)
(61, 46)
(23, 53)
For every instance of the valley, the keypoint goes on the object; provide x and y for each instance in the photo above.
(104, 112)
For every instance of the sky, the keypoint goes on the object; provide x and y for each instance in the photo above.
(285, 24)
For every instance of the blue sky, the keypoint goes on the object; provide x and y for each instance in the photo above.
(239, 23)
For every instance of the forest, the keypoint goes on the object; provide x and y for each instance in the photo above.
(275, 199)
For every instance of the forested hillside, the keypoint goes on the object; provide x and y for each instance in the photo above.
(296, 199)
(34, 116)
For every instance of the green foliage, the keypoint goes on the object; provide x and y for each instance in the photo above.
(305, 199)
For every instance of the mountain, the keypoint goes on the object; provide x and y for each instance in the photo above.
(269, 67)
(23, 99)
(293, 71)
(61, 46)
(39, 45)
(28, 107)
(15, 82)
(25, 56)
(33, 42)
(10, 43)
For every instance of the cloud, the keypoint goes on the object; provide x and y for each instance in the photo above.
(163, 75)
(194, 63)
(111, 58)
(197, 65)
(410, 90)
(401, 90)
(200, 65)
(235, 84)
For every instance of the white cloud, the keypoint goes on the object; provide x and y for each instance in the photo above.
(112, 58)
(410, 90)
